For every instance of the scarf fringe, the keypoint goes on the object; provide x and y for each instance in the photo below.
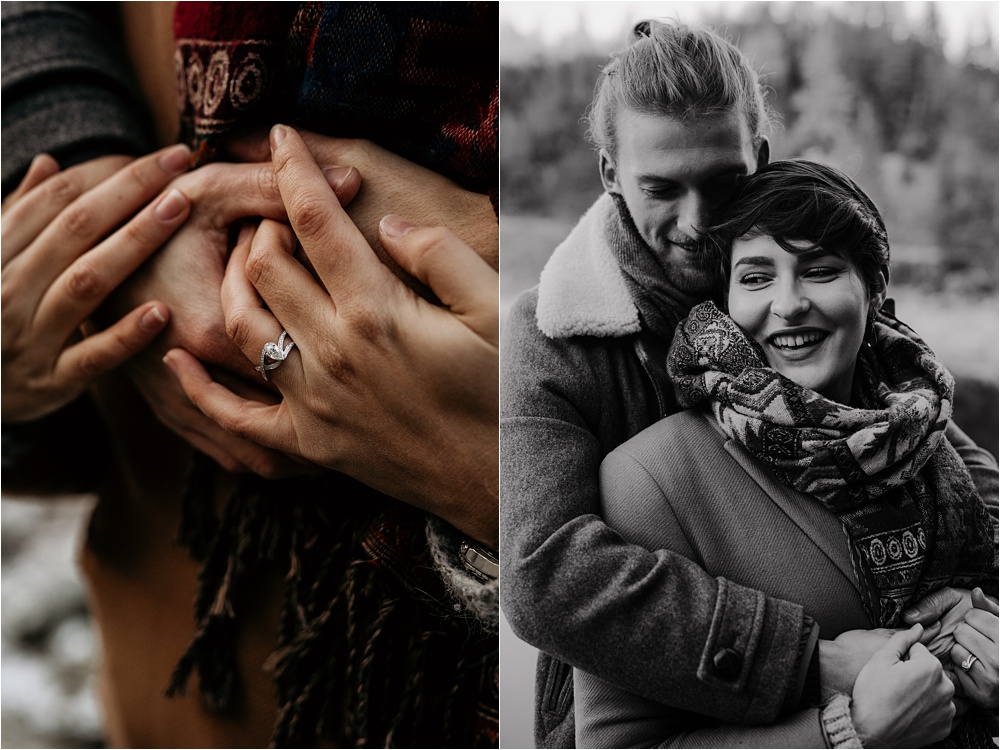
(363, 658)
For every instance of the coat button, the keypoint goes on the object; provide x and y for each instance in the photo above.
(728, 663)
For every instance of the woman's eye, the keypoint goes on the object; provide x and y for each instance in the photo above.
(754, 280)
(823, 273)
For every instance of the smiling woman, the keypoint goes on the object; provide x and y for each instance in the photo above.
(826, 417)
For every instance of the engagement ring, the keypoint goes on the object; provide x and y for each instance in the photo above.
(272, 355)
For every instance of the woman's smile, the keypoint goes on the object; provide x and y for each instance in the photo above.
(807, 311)
(804, 339)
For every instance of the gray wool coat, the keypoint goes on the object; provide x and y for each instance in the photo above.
(672, 487)
(579, 376)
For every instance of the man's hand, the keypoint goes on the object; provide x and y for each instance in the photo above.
(902, 697)
(382, 385)
(841, 659)
(187, 275)
(392, 184)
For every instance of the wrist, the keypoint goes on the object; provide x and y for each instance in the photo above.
(831, 682)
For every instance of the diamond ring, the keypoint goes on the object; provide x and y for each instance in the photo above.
(969, 661)
(272, 355)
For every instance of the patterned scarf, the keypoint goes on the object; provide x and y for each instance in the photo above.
(417, 78)
(912, 515)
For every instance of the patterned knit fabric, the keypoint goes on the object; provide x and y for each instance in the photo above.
(419, 79)
(913, 517)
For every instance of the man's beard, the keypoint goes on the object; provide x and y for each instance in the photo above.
(695, 276)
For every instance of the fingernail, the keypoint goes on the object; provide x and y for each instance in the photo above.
(911, 613)
(395, 226)
(153, 319)
(171, 205)
(335, 176)
(176, 159)
(278, 134)
(168, 360)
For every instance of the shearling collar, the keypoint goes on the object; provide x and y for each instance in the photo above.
(581, 291)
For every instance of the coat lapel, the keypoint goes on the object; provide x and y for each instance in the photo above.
(821, 526)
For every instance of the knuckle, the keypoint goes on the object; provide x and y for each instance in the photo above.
(83, 282)
(264, 465)
(265, 181)
(91, 364)
(78, 221)
(62, 187)
(146, 174)
(238, 327)
(259, 265)
(202, 182)
(309, 213)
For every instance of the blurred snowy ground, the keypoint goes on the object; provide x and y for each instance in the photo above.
(47, 647)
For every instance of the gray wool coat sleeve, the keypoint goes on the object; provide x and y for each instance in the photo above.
(651, 622)
(67, 86)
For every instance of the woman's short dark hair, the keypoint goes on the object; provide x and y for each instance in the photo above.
(802, 201)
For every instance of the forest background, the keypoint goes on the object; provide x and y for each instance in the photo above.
(881, 90)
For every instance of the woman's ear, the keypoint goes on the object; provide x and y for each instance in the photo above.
(609, 175)
(878, 299)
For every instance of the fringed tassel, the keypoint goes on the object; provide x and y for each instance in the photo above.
(369, 652)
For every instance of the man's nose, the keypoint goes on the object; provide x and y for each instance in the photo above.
(789, 302)
(692, 214)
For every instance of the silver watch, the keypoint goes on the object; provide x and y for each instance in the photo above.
(479, 561)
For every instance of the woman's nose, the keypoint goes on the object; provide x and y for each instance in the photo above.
(789, 302)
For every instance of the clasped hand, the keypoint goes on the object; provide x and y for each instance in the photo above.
(62, 257)
(382, 385)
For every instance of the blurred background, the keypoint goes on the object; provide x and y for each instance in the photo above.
(903, 96)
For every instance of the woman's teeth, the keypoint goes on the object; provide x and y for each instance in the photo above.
(794, 341)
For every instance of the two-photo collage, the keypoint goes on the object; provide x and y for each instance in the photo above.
(500, 374)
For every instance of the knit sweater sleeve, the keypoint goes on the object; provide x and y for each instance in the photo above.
(470, 596)
(67, 86)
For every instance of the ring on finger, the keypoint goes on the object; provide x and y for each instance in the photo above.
(968, 662)
(272, 356)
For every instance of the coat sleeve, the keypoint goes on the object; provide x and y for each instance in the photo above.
(980, 464)
(609, 716)
(67, 87)
(572, 587)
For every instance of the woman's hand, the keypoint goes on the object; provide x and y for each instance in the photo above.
(382, 385)
(59, 264)
(977, 635)
(944, 608)
(902, 697)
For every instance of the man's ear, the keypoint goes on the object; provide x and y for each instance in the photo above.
(763, 153)
(609, 176)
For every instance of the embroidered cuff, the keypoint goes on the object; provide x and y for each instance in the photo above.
(470, 595)
(837, 725)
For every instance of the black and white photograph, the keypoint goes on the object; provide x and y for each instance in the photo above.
(748, 374)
